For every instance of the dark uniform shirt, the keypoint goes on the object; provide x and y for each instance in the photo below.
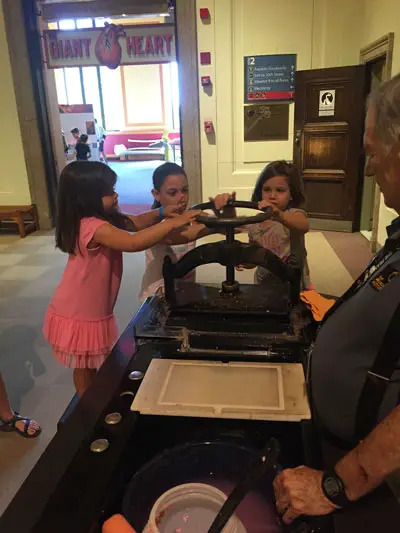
(347, 346)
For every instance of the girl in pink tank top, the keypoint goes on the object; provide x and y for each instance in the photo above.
(79, 322)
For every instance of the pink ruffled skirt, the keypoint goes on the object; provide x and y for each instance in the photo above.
(80, 343)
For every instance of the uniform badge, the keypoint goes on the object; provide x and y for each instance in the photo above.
(384, 277)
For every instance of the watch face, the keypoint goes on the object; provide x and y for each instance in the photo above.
(332, 487)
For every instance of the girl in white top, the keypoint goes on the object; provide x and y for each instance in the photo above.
(171, 189)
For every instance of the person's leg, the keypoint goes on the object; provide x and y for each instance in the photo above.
(83, 378)
(7, 414)
(5, 409)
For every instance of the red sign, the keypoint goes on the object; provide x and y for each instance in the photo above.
(274, 95)
(110, 46)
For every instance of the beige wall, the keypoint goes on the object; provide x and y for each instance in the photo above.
(14, 187)
(337, 31)
(382, 17)
(322, 33)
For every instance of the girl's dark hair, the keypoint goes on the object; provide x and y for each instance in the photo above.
(80, 190)
(281, 168)
(161, 173)
(83, 138)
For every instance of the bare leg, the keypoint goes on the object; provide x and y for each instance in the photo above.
(83, 378)
(5, 409)
(6, 413)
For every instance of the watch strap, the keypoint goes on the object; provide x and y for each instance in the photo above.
(334, 489)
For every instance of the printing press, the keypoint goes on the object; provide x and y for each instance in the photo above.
(198, 383)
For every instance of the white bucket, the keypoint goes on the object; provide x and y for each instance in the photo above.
(189, 508)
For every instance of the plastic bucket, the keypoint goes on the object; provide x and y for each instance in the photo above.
(189, 508)
(216, 463)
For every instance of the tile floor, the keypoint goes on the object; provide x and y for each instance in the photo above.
(37, 385)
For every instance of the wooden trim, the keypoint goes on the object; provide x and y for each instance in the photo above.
(322, 127)
(124, 102)
(102, 8)
(379, 49)
(186, 43)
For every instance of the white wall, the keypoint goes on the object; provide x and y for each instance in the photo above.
(322, 33)
(14, 187)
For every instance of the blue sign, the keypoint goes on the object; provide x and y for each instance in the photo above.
(269, 78)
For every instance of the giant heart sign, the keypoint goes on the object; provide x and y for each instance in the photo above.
(110, 46)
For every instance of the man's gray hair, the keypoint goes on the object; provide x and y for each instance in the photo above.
(385, 101)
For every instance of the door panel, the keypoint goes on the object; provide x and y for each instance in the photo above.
(328, 149)
(324, 150)
(327, 195)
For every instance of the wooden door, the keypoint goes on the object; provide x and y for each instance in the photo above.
(329, 118)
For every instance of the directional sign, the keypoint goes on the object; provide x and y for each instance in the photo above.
(269, 77)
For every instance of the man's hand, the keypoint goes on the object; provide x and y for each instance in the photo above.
(298, 492)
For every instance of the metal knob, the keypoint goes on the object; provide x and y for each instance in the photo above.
(136, 375)
(113, 418)
(127, 393)
(99, 445)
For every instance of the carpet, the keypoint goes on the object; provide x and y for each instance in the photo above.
(134, 184)
(328, 273)
(134, 209)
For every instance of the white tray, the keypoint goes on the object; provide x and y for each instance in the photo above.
(259, 391)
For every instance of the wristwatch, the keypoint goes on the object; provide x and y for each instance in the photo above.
(333, 488)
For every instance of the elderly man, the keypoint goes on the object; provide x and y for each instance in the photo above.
(355, 383)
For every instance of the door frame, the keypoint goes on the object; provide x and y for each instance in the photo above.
(187, 54)
(24, 48)
(382, 48)
(32, 96)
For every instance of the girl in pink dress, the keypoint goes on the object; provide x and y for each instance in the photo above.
(79, 322)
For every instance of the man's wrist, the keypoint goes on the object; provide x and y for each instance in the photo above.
(334, 489)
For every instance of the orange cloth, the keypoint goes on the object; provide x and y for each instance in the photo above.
(117, 524)
(318, 304)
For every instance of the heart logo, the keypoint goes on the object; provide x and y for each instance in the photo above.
(107, 49)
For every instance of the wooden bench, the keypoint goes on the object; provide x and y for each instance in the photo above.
(24, 216)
